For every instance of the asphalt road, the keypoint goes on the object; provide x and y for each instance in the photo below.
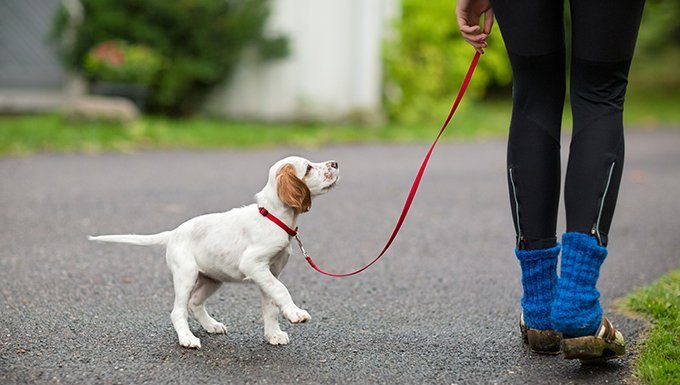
(442, 307)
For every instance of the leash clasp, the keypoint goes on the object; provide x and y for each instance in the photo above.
(302, 248)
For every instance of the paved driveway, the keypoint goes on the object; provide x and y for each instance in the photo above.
(442, 306)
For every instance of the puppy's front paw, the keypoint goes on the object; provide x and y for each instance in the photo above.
(190, 341)
(277, 338)
(216, 328)
(295, 315)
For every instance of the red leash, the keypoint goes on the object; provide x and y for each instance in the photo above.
(411, 194)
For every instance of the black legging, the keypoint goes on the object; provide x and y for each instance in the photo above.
(603, 39)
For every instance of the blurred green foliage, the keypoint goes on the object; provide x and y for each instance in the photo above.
(660, 26)
(118, 61)
(201, 41)
(427, 59)
(657, 57)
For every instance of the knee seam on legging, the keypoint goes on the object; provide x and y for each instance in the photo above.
(542, 126)
(578, 133)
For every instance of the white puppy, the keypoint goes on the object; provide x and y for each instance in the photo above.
(240, 245)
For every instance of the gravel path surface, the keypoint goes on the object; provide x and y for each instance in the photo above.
(442, 307)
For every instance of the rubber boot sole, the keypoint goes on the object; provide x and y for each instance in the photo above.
(607, 344)
(541, 341)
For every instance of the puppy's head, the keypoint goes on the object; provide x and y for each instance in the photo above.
(297, 180)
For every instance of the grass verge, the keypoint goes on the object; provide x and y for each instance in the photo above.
(659, 360)
(28, 134)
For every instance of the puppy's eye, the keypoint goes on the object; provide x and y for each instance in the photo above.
(309, 168)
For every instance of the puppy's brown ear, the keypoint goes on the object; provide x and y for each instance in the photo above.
(292, 190)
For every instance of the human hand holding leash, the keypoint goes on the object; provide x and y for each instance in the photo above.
(468, 15)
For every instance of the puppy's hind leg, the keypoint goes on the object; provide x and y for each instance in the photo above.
(205, 287)
(184, 275)
(270, 315)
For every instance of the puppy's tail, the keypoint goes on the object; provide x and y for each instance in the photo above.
(134, 239)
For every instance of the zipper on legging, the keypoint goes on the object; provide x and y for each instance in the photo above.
(520, 236)
(596, 227)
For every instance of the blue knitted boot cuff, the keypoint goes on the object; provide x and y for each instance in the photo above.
(576, 309)
(539, 284)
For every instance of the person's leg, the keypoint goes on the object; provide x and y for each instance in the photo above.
(603, 39)
(533, 32)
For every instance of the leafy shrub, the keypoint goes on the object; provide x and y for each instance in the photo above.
(660, 29)
(200, 41)
(427, 60)
(658, 49)
(117, 61)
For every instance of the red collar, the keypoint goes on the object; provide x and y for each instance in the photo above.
(278, 222)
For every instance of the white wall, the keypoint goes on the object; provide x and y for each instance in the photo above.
(334, 69)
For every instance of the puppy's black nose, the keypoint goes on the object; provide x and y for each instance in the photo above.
(334, 165)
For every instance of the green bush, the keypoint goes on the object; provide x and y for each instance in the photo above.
(427, 60)
(117, 61)
(660, 29)
(201, 41)
(658, 49)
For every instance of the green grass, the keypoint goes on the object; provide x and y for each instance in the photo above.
(650, 110)
(28, 134)
(659, 361)
(37, 133)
